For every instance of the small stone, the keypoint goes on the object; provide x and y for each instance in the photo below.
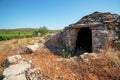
(82, 56)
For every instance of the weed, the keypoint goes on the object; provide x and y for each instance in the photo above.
(67, 53)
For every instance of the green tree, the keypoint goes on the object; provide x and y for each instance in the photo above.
(41, 31)
(35, 33)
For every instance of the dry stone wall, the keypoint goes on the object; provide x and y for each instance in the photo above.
(105, 29)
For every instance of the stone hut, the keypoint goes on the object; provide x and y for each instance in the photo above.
(91, 33)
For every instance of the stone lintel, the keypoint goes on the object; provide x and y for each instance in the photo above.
(77, 26)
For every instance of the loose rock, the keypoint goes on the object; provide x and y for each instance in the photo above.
(33, 47)
(13, 59)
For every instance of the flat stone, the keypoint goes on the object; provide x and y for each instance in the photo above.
(16, 69)
(14, 59)
(17, 77)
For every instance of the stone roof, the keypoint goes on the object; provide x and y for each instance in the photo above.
(98, 18)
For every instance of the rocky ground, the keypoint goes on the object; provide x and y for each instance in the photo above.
(44, 65)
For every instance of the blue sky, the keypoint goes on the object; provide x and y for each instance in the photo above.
(54, 14)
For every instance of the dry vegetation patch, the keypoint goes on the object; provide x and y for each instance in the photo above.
(101, 66)
(104, 68)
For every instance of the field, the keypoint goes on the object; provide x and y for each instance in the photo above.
(7, 34)
(104, 67)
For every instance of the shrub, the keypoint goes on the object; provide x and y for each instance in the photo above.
(35, 33)
(67, 53)
(41, 31)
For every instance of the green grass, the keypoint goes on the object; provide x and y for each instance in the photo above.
(7, 34)
(53, 31)
(11, 36)
(17, 31)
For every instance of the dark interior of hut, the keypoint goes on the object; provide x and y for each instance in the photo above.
(84, 41)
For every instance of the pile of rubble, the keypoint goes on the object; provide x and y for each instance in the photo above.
(20, 69)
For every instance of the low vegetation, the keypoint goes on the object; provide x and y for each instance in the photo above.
(7, 34)
(66, 53)
(41, 31)
(12, 36)
(2, 60)
(106, 67)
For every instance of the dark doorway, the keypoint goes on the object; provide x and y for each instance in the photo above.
(84, 41)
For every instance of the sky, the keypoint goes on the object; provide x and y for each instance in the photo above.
(54, 14)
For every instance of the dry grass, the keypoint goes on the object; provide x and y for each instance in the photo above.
(2, 65)
(105, 67)
(12, 46)
(1, 71)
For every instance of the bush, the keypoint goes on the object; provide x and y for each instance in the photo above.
(67, 53)
(41, 31)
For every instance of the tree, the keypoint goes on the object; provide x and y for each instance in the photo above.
(41, 31)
